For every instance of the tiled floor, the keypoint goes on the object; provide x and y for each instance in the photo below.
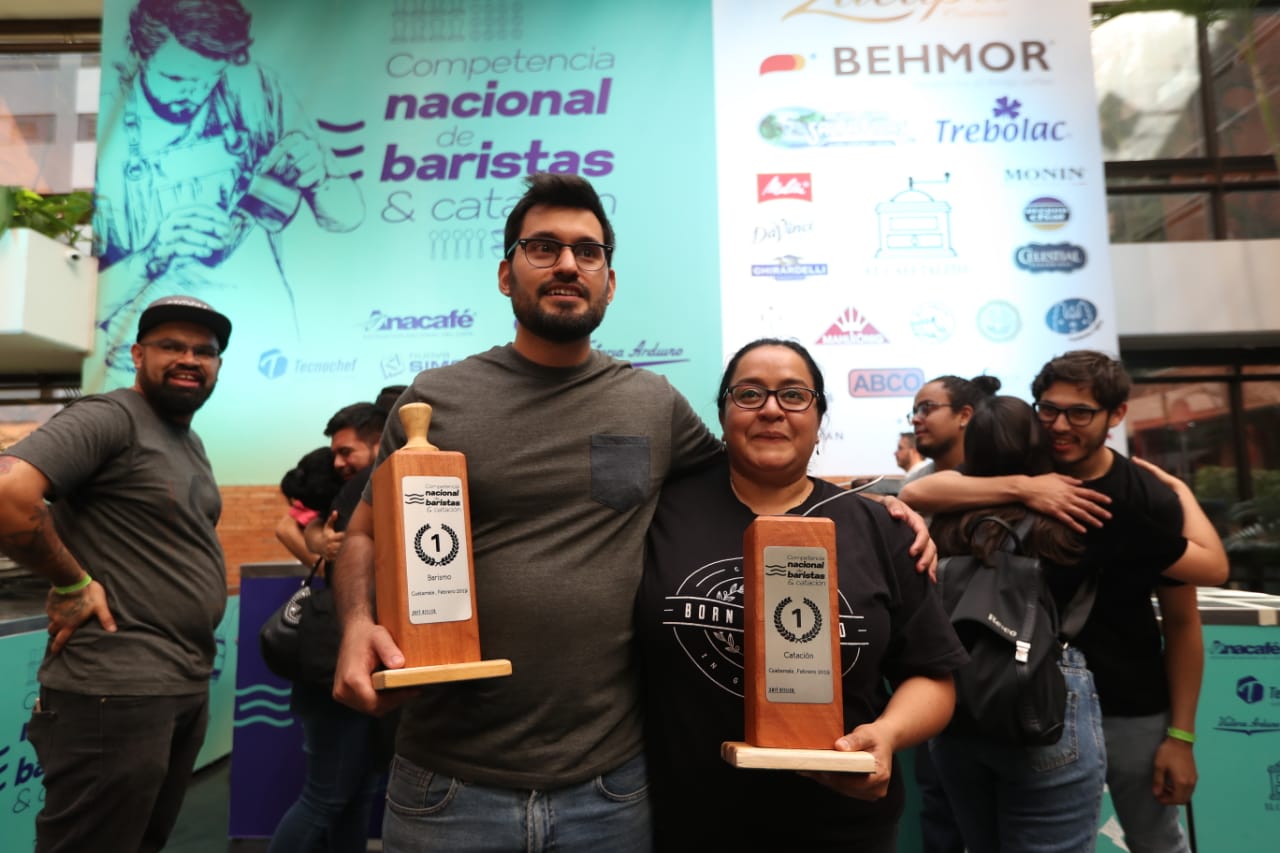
(202, 825)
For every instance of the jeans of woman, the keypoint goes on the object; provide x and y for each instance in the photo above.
(1041, 799)
(429, 812)
(332, 813)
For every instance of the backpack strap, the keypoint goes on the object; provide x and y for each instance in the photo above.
(1077, 612)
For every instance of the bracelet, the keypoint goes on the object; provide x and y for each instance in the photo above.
(1181, 734)
(73, 588)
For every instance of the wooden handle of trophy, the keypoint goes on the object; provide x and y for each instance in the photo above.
(416, 420)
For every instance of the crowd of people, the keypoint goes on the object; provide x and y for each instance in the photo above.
(599, 501)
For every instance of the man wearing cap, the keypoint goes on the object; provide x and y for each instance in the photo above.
(113, 500)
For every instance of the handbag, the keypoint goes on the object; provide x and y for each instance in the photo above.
(299, 641)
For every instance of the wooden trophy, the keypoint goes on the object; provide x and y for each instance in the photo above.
(791, 621)
(425, 575)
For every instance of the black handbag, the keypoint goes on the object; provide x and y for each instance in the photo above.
(299, 641)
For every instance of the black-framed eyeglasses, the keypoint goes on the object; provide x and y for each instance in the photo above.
(203, 353)
(792, 398)
(1077, 416)
(925, 408)
(544, 252)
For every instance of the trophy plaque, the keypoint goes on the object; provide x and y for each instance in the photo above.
(425, 577)
(791, 619)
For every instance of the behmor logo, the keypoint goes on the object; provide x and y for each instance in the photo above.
(792, 185)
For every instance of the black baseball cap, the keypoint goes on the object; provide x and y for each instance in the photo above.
(185, 309)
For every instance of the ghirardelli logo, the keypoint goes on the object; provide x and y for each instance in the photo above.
(1050, 257)
(793, 185)
(882, 12)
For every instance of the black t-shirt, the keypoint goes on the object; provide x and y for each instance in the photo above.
(689, 629)
(1122, 640)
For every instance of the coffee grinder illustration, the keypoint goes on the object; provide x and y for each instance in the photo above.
(913, 224)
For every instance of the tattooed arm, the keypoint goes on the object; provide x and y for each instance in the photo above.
(27, 536)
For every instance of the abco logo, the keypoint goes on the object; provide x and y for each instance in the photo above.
(795, 185)
(273, 364)
(885, 382)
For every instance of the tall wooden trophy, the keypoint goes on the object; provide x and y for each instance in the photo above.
(425, 575)
(791, 620)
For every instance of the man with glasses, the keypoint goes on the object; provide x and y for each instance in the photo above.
(114, 502)
(1145, 533)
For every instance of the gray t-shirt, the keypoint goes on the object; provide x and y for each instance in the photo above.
(135, 502)
(564, 467)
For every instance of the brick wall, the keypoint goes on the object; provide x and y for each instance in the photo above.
(248, 527)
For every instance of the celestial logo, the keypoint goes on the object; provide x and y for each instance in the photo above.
(1250, 690)
(1074, 318)
(781, 62)
(788, 268)
(885, 382)
(1005, 124)
(273, 364)
(852, 327)
(932, 322)
(1046, 213)
(999, 321)
(1050, 257)
(797, 186)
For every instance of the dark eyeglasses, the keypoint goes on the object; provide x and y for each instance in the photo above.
(544, 252)
(1077, 416)
(925, 408)
(793, 398)
(203, 353)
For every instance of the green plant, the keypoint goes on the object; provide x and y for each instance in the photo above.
(60, 216)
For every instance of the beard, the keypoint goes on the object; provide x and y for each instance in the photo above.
(934, 450)
(556, 326)
(172, 401)
(177, 112)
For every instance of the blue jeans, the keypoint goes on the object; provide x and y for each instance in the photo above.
(332, 813)
(1042, 799)
(429, 812)
(1149, 826)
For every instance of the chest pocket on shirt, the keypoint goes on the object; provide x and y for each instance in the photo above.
(619, 470)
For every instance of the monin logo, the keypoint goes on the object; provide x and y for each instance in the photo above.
(455, 319)
(1005, 125)
(1050, 257)
(797, 186)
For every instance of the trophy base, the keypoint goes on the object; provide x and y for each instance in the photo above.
(744, 755)
(413, 676)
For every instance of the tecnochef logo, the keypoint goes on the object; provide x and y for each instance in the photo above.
(1046, 213)
(885, 382)
(852, 327)
(273, 364)
(1075, 318)
(793, 185)
(1006, 124)
(1050, 257)
(787, 268)
(781, 62)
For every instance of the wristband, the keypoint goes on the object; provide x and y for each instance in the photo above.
(73, 588)
(1181, 734)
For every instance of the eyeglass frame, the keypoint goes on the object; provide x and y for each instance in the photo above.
(523, 243)
(201, 353)
(770, 392)
(929, 406)
(1065, 411)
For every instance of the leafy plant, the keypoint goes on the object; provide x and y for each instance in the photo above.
(60, 216)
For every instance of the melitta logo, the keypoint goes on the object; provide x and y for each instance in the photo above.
(781, 62)
(851, 327)
(379, 322)
(875, 11)
(1046, 213)
(885, 382)
(1013, 128)
(796, 185)
(1075, 318)
(1050, 257)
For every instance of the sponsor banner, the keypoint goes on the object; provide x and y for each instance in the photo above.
(947, 157)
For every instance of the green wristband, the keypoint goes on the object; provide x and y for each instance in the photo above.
(1181, 734)
(73, 588)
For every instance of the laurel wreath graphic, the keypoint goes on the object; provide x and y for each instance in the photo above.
(427, 558)
(788, 635)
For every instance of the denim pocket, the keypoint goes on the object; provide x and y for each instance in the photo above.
(413, 791)
(620, 470)
(627, 782)
(1067, 750)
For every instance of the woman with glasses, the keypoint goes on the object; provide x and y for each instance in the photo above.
(689, 626)
(941, 410)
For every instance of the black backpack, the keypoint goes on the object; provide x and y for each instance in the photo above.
(1012, 690)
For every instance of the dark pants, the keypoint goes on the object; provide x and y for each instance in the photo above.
(115, 768)
(939, 832)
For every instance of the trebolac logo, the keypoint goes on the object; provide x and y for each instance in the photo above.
(793, 185)
(1050, 257)
(1006, 124)
(885, 382)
